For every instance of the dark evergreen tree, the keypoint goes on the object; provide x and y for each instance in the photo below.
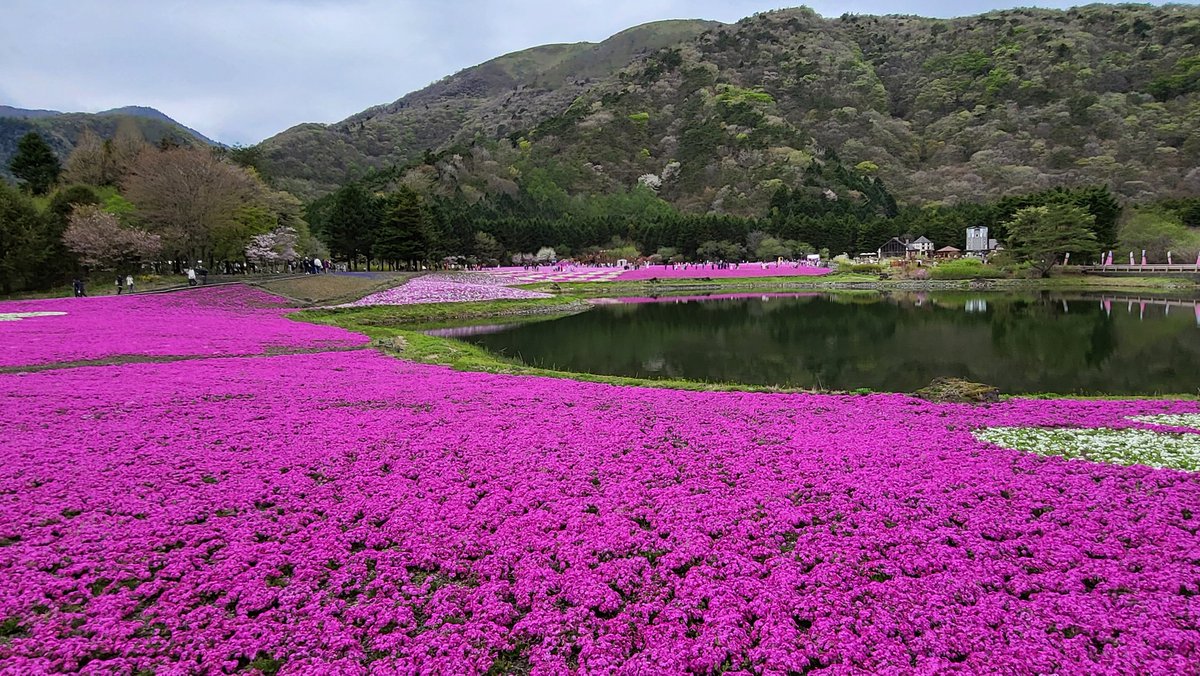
(35, 164)
(58, 262)
(351, 222)
(20, 224)
(404, 237)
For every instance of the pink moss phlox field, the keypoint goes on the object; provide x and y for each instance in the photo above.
(346, 512)
(745, 270)
(444, 289)
(588, 273)
(223, 320)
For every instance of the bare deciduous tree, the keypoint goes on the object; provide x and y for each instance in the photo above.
(97, 161)
(188, 194)
(89, 162)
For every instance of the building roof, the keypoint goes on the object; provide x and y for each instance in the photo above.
(949, 249)
(922, 240)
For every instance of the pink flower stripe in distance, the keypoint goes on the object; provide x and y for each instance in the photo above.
(745, 270)
(389, 517)
(224, 320)
(442, 289)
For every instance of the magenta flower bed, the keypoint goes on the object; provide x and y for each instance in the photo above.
(349, 513)
(745, 270)
(444, 289)
(224, 320)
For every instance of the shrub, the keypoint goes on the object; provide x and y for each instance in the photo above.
(965, 268)
(864, 268)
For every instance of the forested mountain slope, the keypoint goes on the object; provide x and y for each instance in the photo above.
(718, 117)
(508, 93)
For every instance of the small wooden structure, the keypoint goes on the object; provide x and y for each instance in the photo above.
(947, 253)
(893, 248)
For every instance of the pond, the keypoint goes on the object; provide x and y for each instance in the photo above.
(1021, 343)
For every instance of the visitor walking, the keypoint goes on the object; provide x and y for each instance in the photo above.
(203, 275)
(119, 282)
(129, 283)
(77, 287)
(191, 276)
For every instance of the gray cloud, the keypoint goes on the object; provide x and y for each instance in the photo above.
(242, 70)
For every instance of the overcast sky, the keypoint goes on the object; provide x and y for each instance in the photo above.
(242, 70)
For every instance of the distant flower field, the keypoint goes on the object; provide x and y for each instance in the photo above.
(212, 321)
(583, 273)
(446, 288)
(347, 512)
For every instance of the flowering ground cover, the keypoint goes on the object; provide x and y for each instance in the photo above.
(348, 512)
(581, 273)
(747, 270)
(224, 320)
(444, 288)
(1121, 446)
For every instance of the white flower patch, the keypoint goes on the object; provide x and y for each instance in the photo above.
(18, 316)
(1119, 447)
(1171, 420)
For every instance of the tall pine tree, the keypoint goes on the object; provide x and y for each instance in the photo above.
(404, 236)
(351, 222)
(35, 164)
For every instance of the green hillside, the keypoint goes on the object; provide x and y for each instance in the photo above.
(968, 109)
(490, 100)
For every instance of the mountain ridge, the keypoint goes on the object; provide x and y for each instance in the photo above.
(62, 129)
(970, 108)
(134, 111)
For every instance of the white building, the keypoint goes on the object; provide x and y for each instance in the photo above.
(977, 240)
(920, 247)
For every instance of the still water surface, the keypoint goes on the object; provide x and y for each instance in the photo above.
(1020, 343)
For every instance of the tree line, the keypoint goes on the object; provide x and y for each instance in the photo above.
(120, 204)
(384, 222)
(123, 205)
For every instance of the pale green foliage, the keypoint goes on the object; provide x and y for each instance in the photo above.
(771, 249)
(1158, 233)
(965, 268)
(1041, 235)
(723, 250)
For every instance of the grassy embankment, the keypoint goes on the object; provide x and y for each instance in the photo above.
(332, 289)
(399, 330)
